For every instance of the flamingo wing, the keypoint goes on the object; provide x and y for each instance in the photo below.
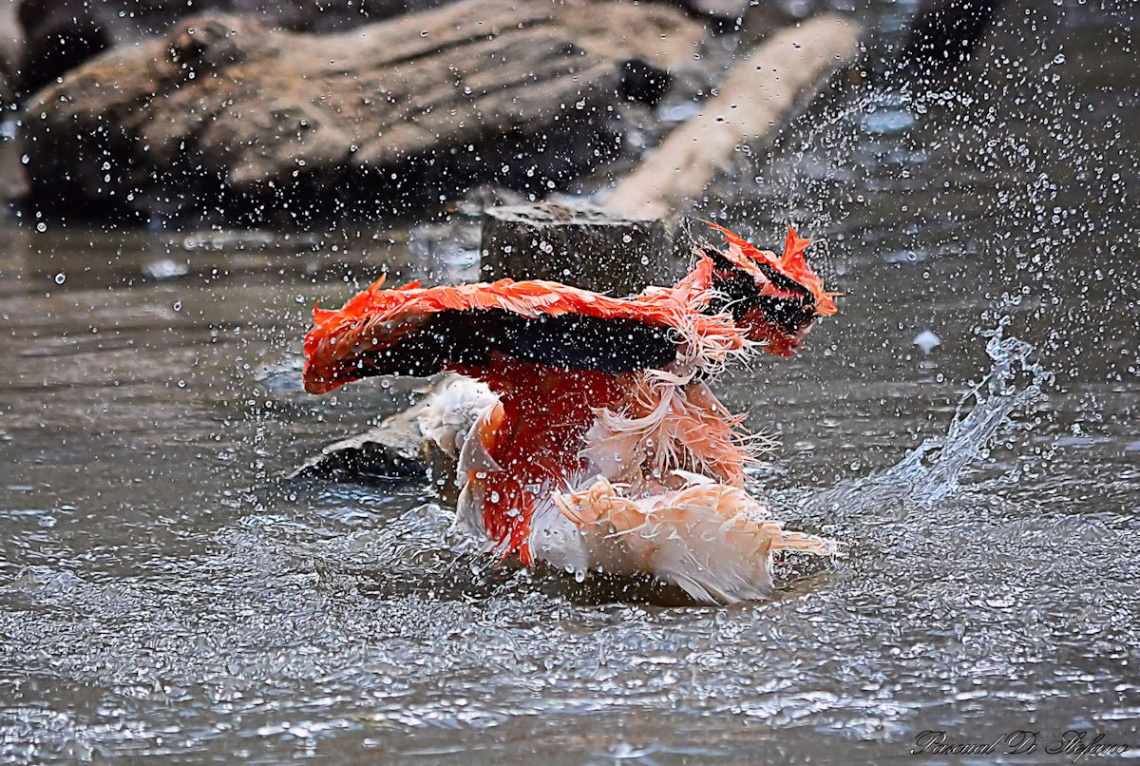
(414, 330)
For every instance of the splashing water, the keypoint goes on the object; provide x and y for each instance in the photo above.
(932, 471)
(150, 609)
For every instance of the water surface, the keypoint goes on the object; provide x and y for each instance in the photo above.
(164, 593)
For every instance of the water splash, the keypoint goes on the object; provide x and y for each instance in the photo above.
(933, 470)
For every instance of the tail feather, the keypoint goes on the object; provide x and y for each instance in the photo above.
(709, 539)
(798, 541)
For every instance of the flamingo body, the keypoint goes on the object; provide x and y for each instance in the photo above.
(591, 440)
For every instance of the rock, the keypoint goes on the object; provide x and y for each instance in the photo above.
(63, 34)
(226, 115)
(753, 103)
(393, 450)
(583, 246)
(11, 49)
(944, 33)
(13, 183)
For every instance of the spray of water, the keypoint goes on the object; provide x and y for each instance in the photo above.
(933, 471)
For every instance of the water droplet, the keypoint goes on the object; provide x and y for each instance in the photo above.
(927, 341)
(60, 278)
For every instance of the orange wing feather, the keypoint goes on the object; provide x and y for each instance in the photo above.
(376, 318)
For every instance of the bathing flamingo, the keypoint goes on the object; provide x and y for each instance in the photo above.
(586, 433)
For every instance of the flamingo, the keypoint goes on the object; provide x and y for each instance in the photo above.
(585, 431)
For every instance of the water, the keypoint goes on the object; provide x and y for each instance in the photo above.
(164, 593)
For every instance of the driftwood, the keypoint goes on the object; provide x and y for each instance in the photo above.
(228, 113)
(754, 101)
(62, 34)
(582, 246)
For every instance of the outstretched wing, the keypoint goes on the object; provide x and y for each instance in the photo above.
(413, 330)
(550, 353)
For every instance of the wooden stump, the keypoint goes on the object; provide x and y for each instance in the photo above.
(582, 246)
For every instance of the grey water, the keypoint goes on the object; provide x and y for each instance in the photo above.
(165, 594)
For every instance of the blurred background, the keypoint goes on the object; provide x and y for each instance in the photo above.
(183, 182)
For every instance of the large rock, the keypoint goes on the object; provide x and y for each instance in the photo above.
(393, 450)
(227, 114)
(62, 34)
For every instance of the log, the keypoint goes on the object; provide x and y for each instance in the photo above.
(63, 34)
(229, 113)
(753, 103)
(581, 245)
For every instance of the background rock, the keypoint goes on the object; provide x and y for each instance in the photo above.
(228, 115)
(11, 50)
(944, 33)
(393, 450)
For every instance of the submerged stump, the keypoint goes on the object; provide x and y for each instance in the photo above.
(580, 245)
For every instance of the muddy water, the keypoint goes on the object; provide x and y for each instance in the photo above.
(164, 593)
